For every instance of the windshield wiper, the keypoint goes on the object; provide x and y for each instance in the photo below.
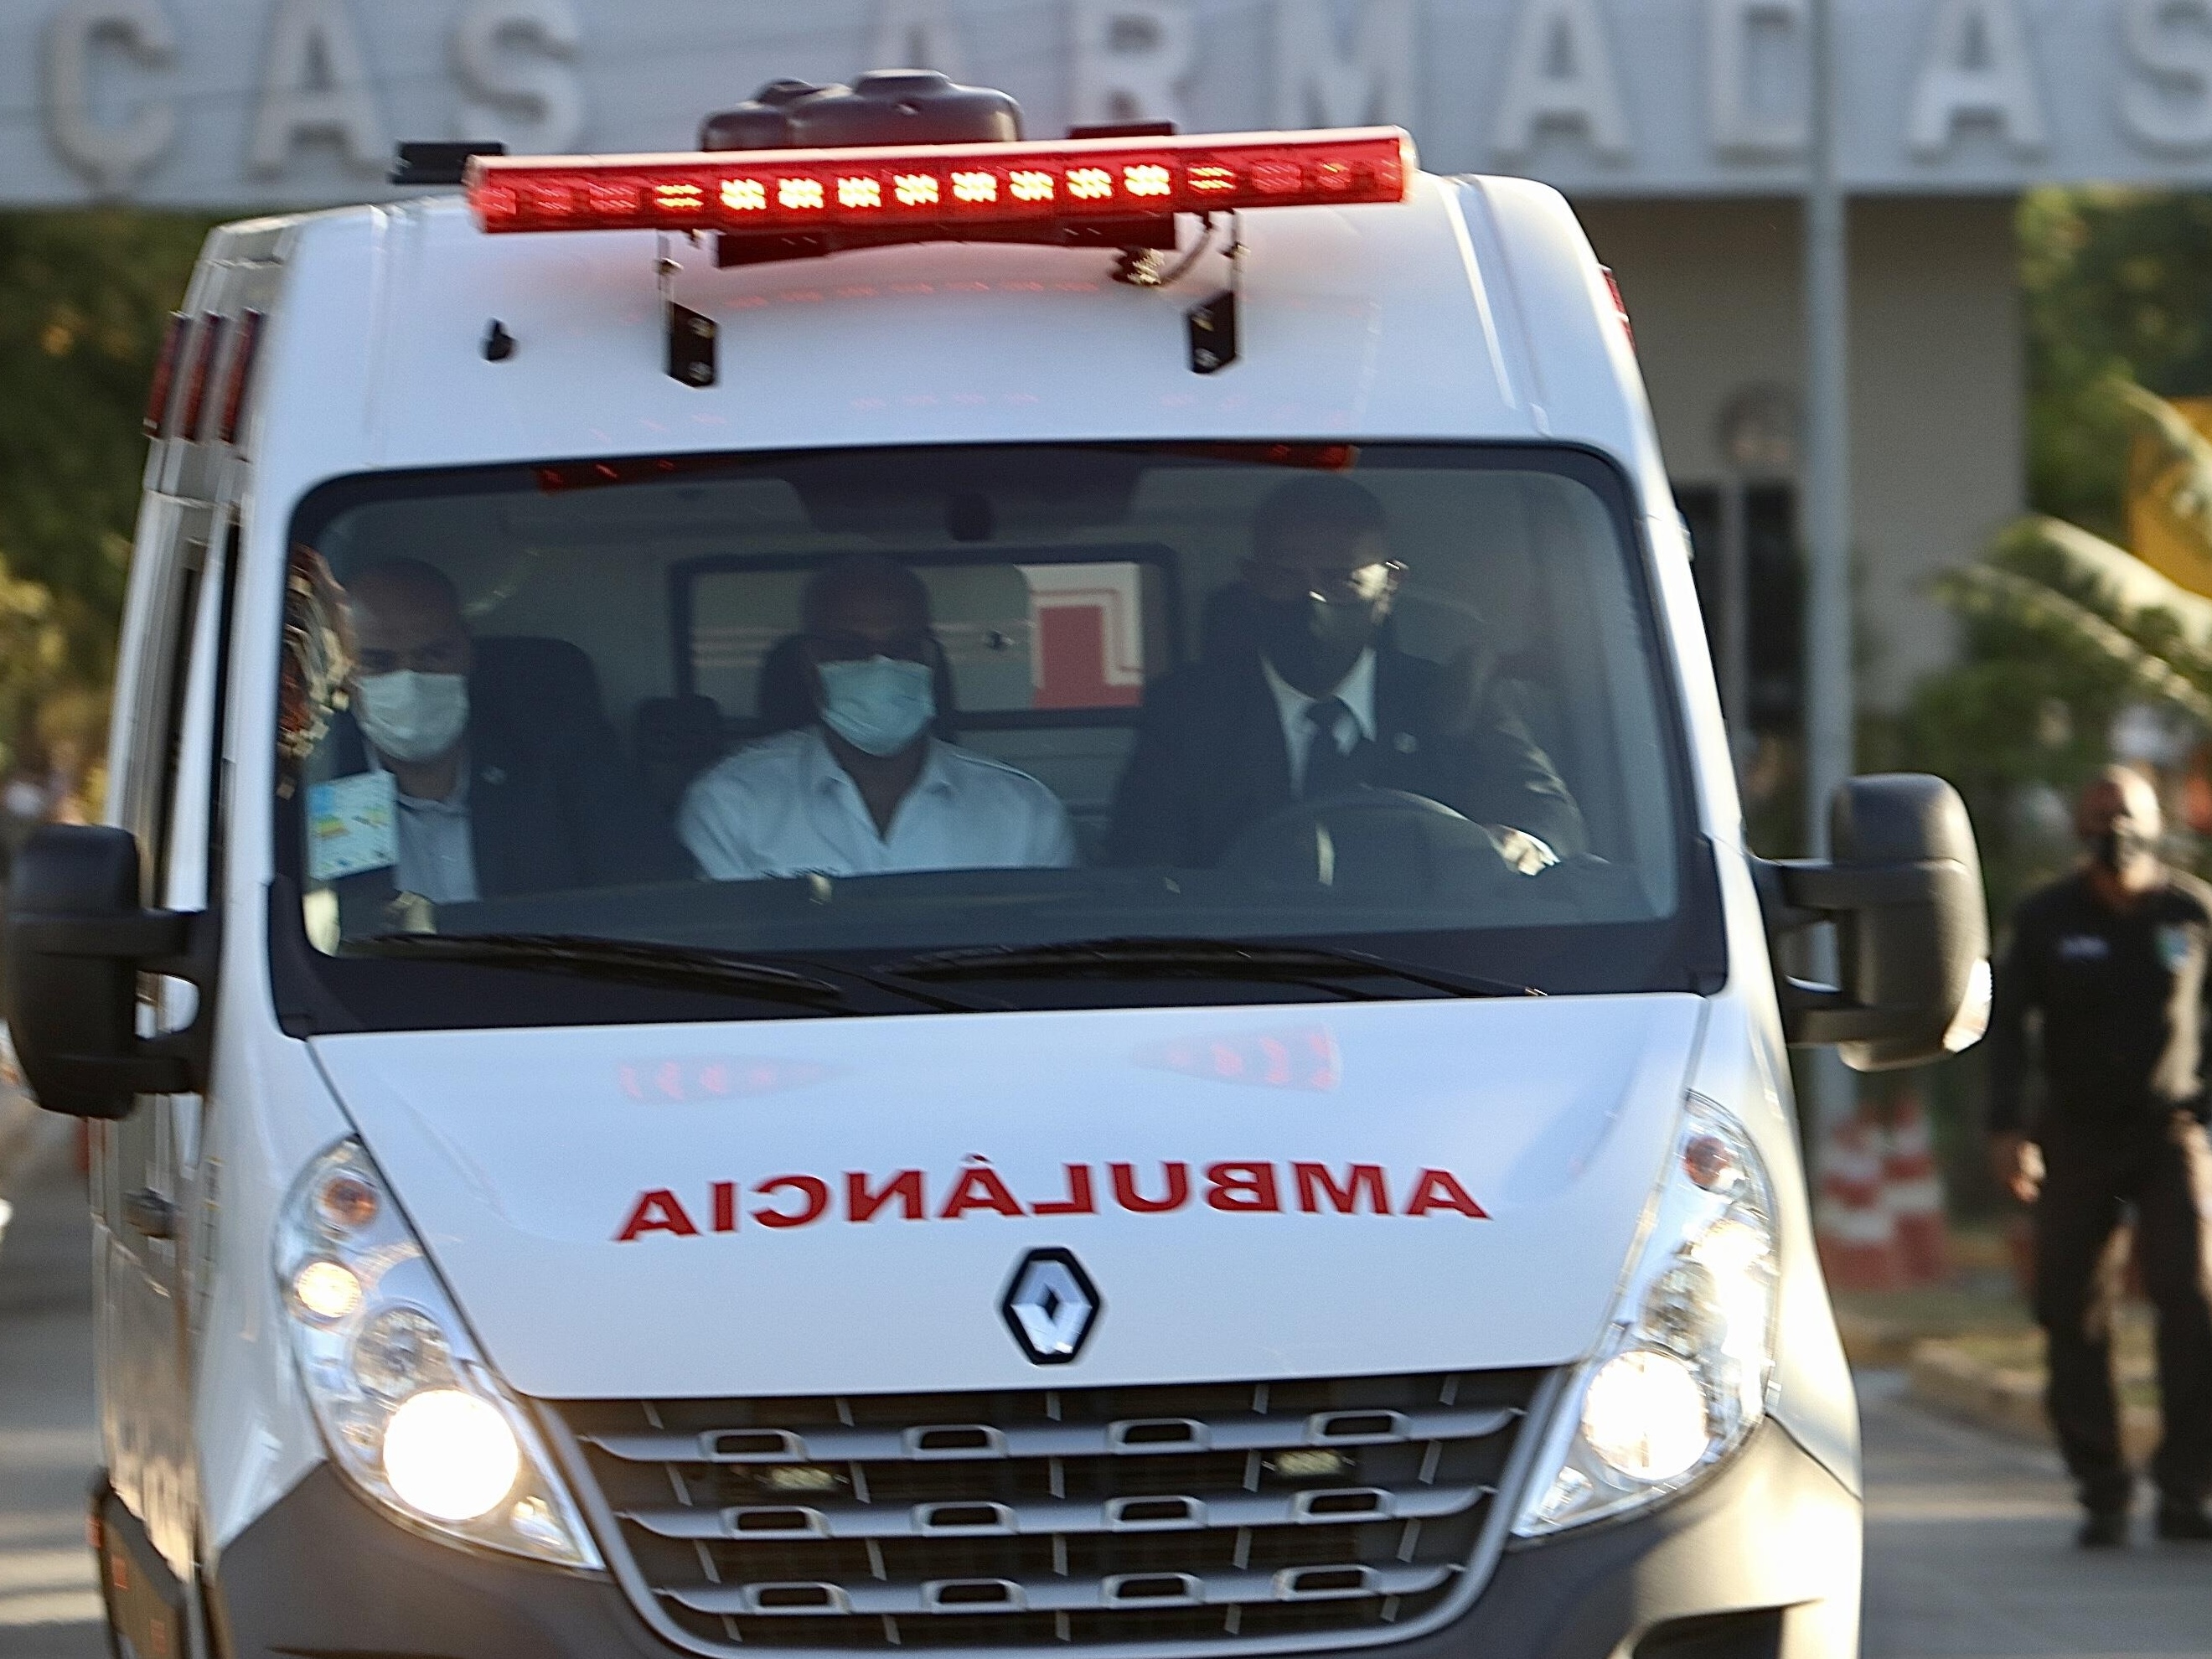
(629, 960)
(1187, 958)
(640, 962)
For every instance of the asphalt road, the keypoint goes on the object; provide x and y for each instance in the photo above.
(1970, 1554)
(49, 1609)
(1968, 1535)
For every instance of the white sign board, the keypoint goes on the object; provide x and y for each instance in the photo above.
(239, 103)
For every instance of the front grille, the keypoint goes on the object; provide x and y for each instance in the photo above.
(1316, 1507)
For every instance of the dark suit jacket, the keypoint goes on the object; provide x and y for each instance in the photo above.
(1210, 761)
(550, 807)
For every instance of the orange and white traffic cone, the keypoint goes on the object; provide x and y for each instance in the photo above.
(1913, 1191)
(1857, 1235)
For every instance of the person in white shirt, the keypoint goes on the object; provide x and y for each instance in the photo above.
(867, 790)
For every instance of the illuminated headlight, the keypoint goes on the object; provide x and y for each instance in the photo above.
(450, 1456)
(1680, 1378)
(411, 1412)
(1644, 1415)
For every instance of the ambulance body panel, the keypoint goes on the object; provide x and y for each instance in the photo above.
(1333, 1257)
(1550, 1123)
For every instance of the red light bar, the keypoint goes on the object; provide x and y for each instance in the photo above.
(931, 193)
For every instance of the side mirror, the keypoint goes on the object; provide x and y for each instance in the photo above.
(1903, 891)
(77, 940)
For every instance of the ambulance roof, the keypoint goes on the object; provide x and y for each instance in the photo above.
(1474, 309)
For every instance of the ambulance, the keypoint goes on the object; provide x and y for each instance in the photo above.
(903, 887)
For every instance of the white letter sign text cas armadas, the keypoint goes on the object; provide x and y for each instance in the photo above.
(209, 103)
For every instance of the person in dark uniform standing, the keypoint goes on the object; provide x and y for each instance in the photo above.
(2111, 963)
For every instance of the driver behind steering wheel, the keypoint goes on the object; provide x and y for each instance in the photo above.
(1314, 700)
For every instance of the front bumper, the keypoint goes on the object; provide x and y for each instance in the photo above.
(1762, 1562)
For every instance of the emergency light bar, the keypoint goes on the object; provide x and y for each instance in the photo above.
(941, 192)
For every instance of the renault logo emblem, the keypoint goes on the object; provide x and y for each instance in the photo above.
(1050, 1305)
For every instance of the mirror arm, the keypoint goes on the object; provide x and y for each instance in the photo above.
(145, 938)
(1796, 893)
(1817, 891)
(1902, 895)
(175, 944)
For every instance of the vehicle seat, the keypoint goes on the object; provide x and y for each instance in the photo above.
(676, 740)
(1227, 623)
(782, 701)
(539, 680)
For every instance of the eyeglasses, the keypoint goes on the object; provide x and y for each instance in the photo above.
(1335, 583)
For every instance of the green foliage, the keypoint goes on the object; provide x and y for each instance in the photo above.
(34, 653)
(2118, 287)
(2062, 631)
(84, 298)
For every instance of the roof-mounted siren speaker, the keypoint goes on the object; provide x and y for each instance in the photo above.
(883, 107)
(437, 163)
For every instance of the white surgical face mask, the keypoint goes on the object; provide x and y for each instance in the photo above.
(410, 717)
(879, 706)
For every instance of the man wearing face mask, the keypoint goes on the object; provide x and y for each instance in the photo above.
(1309, 698)
(866, 789)
(2111, 963)
(492, 796)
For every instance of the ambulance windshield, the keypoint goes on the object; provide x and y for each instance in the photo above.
(884, 719)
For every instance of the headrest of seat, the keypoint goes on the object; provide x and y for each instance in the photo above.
(688, 728)
(546, 677)
(783, 698)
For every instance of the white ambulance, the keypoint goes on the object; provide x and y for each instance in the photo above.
(900, 888)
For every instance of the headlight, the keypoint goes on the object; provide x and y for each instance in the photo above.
(409, 1409)
(1681, 1377)
(450, 1454)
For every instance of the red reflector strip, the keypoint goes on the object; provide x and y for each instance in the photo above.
(241, 375)
(1320, 458)
(1619, 305)
(165, 372)
(212, 329)
(923, 186)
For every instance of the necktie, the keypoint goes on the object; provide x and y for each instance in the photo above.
(1329, 770)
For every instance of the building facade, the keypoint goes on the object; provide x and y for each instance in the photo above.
(1678, 126)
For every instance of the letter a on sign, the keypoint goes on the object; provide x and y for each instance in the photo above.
(1560, 74)
(657, 1212)
(1978, 68)
(315, 85)
(1439, 1190)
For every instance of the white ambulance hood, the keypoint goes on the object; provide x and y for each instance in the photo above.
(602, 1201)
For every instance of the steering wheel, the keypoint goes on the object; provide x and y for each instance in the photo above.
(1367, 843)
